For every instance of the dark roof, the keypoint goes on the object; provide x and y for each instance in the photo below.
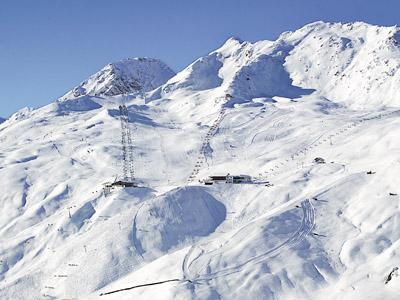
(218, 177)
(123, 183)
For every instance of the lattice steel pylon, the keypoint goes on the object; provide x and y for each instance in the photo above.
(127, 146)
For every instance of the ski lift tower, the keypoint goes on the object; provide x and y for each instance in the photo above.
(128, 173)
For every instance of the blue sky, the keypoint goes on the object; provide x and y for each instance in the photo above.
(49, 46)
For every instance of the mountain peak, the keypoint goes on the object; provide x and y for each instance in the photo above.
(231, 44)
(234, 39)
(131, 75)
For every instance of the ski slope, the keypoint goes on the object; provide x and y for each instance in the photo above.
(318, 231)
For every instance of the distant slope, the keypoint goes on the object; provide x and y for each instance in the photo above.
(355, 64)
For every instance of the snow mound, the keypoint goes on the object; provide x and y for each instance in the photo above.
(135, 75)
(176, 218)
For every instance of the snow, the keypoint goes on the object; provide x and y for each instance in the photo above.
(355, 64)
(135, 75)
(320, 231)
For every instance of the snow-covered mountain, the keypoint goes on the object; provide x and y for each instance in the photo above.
(2, 120)
(355, 64)
(305, 228)
(137, 75)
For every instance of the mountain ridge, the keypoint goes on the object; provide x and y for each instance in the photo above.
(356, 51)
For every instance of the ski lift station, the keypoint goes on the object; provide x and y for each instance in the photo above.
(236, 179)
(109, 186)
(120, 183)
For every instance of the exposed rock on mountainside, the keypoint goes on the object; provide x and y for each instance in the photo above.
(137, 75)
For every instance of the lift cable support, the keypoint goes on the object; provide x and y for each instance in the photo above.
(127, 146)
(201, 159)
(128, 170)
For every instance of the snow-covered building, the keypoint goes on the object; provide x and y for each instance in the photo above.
(228, 179)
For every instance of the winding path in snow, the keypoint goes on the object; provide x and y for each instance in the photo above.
(305, 228)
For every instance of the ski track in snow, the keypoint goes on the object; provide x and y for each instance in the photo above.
(306, 226)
